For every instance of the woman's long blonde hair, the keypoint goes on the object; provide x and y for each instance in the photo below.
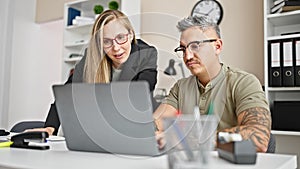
(97, 68)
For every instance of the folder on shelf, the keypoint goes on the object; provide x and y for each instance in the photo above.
(275, 77)
(285, 6)
(297, 61)
(276, 2)
(72, 13)
(287, 69)
(277, 7)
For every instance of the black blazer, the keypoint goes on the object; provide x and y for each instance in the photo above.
(141, 65)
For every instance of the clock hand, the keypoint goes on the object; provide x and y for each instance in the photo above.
(210, 11)
(206, 14)
(201, 13)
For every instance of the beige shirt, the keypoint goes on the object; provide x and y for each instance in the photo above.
(231, 92)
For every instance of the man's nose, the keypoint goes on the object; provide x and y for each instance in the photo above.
(188, 54)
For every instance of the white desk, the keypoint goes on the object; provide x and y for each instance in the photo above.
(59, 157)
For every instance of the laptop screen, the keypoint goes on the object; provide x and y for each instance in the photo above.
(113, 118)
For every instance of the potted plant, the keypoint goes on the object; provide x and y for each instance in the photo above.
(98, 9)
(113, 5)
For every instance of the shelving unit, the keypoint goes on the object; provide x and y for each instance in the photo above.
(275, 25)
(76, 37)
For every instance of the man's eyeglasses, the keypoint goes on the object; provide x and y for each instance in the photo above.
(193, 47)
(119, 39)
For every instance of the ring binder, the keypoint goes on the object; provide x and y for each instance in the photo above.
(275, 79)
(287, 69)
(297, 61)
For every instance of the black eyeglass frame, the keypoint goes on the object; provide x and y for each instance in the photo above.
(183, 48)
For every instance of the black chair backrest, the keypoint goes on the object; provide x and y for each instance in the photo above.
(21, 126)
(272, 144)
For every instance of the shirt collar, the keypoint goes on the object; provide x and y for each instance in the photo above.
(214, 81)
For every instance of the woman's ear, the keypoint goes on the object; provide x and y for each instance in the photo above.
(131, 36)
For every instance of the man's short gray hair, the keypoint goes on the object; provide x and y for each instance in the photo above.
(203, 22)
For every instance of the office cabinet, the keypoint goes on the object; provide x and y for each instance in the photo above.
(77, 33)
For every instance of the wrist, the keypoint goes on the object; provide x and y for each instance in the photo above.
(50, 130)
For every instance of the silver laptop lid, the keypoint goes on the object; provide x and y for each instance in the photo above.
(113, 118)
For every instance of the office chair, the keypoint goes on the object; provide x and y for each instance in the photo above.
(272, 144)
(23, 125)
(272, 141)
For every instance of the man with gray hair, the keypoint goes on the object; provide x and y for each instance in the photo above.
(235, 96)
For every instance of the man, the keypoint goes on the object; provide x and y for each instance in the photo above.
(237, 97)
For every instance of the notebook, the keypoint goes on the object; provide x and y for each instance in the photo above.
(109, 118)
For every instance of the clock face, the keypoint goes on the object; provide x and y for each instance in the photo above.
(211, 8)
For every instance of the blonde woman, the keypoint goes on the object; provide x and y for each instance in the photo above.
(112, 55)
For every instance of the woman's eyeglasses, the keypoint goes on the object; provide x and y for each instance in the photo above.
(119, 39)
(193, 47)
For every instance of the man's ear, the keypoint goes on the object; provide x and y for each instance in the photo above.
(219, 46)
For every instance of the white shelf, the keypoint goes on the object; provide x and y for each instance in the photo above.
(286, 18)
(80, 4)
(81, 29)
(284, 88)
(284, 37)
(289, 133)
(76, 45)
(72, 60)
(88, 5)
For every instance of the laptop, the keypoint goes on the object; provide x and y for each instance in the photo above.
(108, 118)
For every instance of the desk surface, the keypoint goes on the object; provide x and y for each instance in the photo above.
(59, 157)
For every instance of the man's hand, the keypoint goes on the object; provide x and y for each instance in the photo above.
(163, 110)
(49, 130)
(161, 140)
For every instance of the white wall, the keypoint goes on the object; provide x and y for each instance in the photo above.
(242, 31)
(35, 63)
(158, 29)
(5, 62)
(159, 20)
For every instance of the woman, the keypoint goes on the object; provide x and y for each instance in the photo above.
(113, 54)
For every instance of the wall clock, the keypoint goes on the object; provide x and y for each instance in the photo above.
(211, 8)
